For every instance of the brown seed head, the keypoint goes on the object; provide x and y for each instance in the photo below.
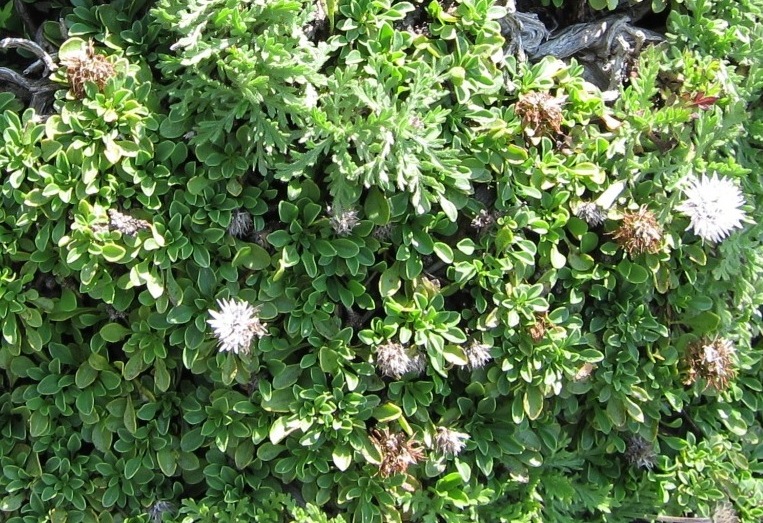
(541, 113)
(125, 223)
(712, 361)
(725, 513)
(398, 452)
(639, 232)
(538, 329)
(88, 67)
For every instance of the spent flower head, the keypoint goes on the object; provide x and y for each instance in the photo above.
(240, 223)
(236, 325)
(640, 453)
(541, 113)
(87, 66)
(712, 360)
(713, 206)
(725, 513)
(395, 359)
(590, 213)
(125, 223)
(639, 232)
(397, 450)
(449, 441)
(484, 220)
(343, 221)
(478, 354)
(158, 509)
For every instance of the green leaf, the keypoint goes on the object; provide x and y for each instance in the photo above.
(533, 402)
(113, 252)
(14, 502)
(130, 421)
(444, 252)
(376, 207)
(167, 462)
(634, 411)
(449, 209)
(191, 440)
(278, 401)
(244, 454)
(287, 211)
(280, 429)
(387, 412)
(162, 377)
(558, 260)
(455, 354)
(134, 366)
(253, 257)
(267, 451)
(389, 282)
(704, 322)
(111, 496)
(616, 412)
(632, 272)
(342, 457)
(38, 424)
(180, 314)
(287, 377)
(345, 248)
(49, 385)
(114, 332)
(71, 48)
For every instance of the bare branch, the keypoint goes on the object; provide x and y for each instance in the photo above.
(32, 47)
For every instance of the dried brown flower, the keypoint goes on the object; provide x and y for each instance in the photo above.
(538, 329)
(584, 372)
(88, 67)
(125, 223)
(713, 361)
(397, 450)
(639, 232)
(541, 113)
(725, 513)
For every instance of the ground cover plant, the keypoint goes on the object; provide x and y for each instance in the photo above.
(378, 260)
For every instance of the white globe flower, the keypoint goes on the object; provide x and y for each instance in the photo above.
(236, 325)
(714, 207)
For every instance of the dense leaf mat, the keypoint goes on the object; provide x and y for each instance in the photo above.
(367, 260)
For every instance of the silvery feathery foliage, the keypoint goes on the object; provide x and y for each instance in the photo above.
(311, 95)
(125, 223)
(158, 509)
(478, 354)
(714, 207)
(343, 222)
(640, 453)
(236, 325)
(395, 359)
(590, 213)
(240, 223)
(449, 441)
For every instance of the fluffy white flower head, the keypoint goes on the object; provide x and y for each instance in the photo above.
(236, 325)
(714, 207)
